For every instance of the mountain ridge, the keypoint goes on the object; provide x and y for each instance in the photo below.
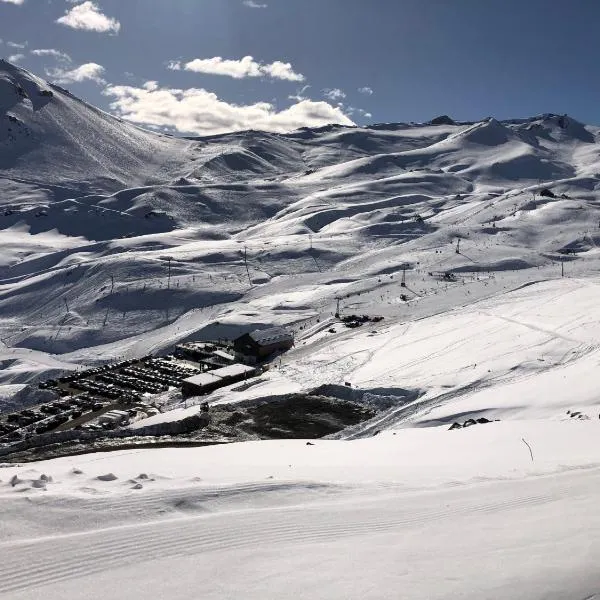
(263, 228)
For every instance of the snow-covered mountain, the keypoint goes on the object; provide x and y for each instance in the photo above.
(94, 207)
(90, 200)
(477, 243)
(55, 146)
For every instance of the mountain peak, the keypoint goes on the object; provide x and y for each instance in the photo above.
(18, 85)
(48, 136)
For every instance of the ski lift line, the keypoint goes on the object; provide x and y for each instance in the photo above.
(512, 288)
(143, 254)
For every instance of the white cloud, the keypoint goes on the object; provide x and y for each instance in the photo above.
(202, 112)
(85, 72)
(351, 110)
(281, 70)
(14, 1)
(16, 45)
(62, 56)
(88, 16)
(239, 69)
(15, 58)
(253, 4)
(334, 94)
(366, 90)
(299, 95)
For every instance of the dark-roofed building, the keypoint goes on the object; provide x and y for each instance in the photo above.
(262, 343)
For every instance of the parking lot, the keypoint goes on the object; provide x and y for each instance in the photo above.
(83, 397)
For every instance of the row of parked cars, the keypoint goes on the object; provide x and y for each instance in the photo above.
(9, 432)
(98, 386)
(95, 389)
(49, 416)
(120, 380)
(27, 421)
(172, 369)
(152, 376)
(114, 381)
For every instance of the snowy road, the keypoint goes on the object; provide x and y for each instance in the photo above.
(487, 540)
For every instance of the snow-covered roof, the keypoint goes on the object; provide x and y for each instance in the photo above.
(218, 375)
(203, 379)
(271, 335)
(195, 345)
(224, 355)
(171, 416)
(113, 416)
(233, 371)
(119, 413)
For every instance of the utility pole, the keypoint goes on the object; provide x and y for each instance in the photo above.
(246, 265)
(403, 282)
(458, 246)
(562, 267)
(112, 283)
(337, 309)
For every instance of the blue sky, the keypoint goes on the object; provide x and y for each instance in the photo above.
(184, 64)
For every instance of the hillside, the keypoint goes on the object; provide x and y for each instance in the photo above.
(320, 212)
(471, 468)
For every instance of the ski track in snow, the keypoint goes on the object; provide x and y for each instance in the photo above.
(45, 562)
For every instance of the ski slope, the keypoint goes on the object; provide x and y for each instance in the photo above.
(424, 513)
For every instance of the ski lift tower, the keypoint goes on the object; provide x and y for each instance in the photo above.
(169, 259)
(403, 282)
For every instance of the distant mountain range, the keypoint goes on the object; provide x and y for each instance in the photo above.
(91, 208)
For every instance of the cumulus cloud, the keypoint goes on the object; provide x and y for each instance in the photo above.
(239, 69)
(281, 70)
(252, 4)
(85, 72)
(14, 1)
(199, 111)
(15, 58)
(17, 45)
(89, 17)
(366, 90)
(61, 56)
(334, 94)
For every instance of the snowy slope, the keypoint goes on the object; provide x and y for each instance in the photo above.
(422, 514)
(318, 213)
(495, 227)
(51, 139)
